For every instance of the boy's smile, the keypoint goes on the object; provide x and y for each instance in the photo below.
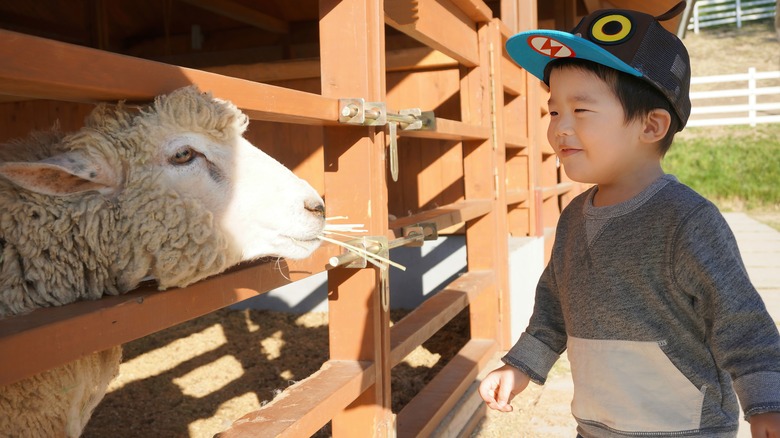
(595, 144)
(565, 151)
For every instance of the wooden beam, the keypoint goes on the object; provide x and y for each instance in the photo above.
(352, 53)
(557, 190)
(271, 71)
(476, 10)
(78, 329)
(443, 392)
(433, 314)
(45, 69)
(418, 58)
(516, 141)
(446, 216)
(484, 172)
(302, 409)
(465, 416)
(514, 77)
(544, 146)
(243, 14)
(450, 130)
(439, 24)
(516, 196)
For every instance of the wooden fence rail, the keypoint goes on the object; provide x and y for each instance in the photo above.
(748, 109)
(707, 13)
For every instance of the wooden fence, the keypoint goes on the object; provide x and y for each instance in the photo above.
(752, 103)
(707, 13)
(494, 175)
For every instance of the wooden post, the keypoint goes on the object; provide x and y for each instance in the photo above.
(484, 178)
(353, 66)
(495, 54)
(536, 131)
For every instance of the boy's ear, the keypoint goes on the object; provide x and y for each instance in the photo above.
(656, 125)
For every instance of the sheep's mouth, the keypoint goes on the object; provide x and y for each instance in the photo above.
(307, 240)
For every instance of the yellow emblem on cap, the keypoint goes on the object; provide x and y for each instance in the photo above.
(603, 30)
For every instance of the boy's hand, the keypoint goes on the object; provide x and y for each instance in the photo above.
(766, 425)
(501, 386)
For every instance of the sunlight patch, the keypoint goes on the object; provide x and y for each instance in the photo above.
(422, 357)
(272, 345)
(226, 413)
(156, 362)
(251, 326)
(210, 378)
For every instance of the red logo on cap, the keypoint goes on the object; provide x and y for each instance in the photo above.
(550, 47)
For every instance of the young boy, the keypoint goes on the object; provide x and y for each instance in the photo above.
(645, 287)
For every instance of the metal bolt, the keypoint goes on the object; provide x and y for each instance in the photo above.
(350, 110)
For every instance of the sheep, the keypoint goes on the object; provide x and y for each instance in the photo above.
(172, 192)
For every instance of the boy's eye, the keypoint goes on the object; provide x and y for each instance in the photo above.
(553, 113)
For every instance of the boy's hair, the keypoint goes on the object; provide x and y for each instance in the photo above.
(637, 97)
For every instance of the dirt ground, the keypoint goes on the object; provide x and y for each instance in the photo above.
(538, 412)
(727, 50)
(194, 379)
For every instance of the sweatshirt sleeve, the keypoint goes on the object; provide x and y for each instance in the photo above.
(543, 341)
(741, 334)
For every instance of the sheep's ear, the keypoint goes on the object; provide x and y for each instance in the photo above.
(65, 174)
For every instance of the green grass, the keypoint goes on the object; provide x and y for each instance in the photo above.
(736, 167)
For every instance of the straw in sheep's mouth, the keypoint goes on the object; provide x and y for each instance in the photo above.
(341, 229)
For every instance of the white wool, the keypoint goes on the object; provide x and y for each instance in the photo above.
(173, 192)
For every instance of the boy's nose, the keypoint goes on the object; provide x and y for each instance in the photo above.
(562, 128)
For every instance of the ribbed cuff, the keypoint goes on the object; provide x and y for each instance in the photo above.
(532, 357)
(759, 392)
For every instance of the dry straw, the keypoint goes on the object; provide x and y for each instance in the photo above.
(342, 230)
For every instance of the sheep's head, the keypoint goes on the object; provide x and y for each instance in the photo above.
(199, 148)
(180, 171)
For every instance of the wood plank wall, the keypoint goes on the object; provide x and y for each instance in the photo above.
(486, 172)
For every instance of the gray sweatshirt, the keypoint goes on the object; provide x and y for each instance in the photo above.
(661, 322)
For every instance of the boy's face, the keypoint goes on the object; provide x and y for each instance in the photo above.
(588, 130)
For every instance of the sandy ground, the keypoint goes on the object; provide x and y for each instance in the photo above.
(538, 412)
(728, 50)
(196, 378)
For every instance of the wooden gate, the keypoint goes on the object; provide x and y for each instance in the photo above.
(479, 166)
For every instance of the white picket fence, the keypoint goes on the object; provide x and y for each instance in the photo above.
(715, 12)
(749, 109)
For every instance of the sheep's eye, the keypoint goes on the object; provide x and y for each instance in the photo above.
(184, 155)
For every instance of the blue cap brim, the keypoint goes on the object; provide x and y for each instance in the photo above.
(555, 44)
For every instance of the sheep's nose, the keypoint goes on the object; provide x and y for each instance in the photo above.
(316, 207)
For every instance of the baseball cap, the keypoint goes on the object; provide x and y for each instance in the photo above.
(629, 41)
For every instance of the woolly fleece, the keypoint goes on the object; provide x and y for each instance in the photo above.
(55, 250)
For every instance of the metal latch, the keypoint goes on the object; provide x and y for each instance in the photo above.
(359, 112)
(417, 233)
(412, 119)
(374, 244)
